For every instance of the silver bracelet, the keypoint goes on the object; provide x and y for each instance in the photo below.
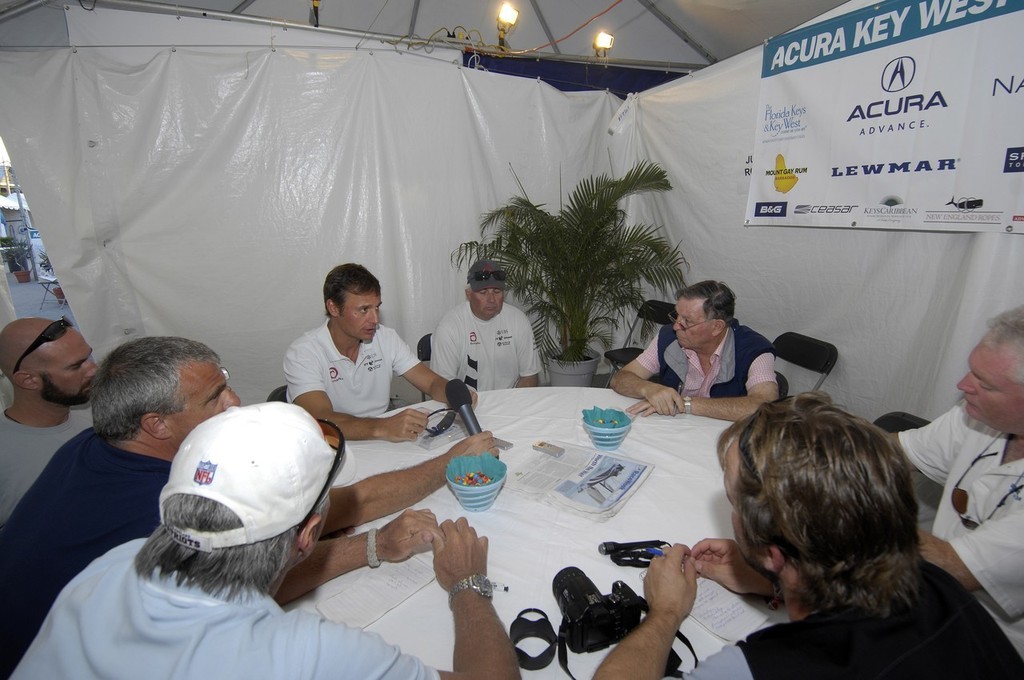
(371, 549)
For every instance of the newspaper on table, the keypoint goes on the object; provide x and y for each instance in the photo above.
(590, 482)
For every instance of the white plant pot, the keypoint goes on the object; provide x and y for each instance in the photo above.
(572, 373)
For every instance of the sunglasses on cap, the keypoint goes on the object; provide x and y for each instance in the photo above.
(497, 275)
(334, 438)
(55, 330)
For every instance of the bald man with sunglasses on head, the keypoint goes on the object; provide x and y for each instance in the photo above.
(50, 367)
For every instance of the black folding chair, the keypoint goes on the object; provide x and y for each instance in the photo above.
(651, 312)
(807, 352)
(898, 421)
(279, 394)
(423, 354)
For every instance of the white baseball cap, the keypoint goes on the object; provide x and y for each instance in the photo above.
(268, 463)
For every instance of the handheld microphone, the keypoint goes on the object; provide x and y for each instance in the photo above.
(611, 547)
(461, 401)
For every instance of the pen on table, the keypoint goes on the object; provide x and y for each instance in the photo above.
(655, 551)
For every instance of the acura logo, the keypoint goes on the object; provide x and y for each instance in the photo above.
(898, 74)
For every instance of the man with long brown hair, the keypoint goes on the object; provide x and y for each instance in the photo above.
(824, 517)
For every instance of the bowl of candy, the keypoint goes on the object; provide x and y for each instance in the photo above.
(476, 480)
(607, 427)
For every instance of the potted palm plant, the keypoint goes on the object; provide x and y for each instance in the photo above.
(578, 271)
(16, 254)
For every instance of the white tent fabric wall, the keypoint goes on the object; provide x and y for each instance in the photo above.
(205, 192)
(903, 308)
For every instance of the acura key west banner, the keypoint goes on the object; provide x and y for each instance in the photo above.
(901, 115)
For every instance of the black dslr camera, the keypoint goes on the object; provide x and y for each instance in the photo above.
(594, 621)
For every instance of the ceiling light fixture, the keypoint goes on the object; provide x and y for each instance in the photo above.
(602, 43)
(507, 18)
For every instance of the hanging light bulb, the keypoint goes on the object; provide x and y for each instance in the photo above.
(507, 18)
(602, 43)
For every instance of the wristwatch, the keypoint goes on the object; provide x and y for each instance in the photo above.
(688, 405)
(476, 582)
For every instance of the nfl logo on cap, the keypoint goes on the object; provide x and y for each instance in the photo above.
(204, 472)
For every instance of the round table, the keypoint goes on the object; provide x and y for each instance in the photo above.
(682, 501)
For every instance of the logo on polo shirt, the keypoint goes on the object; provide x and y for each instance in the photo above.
(333, 373)
(204, 473)
(473, 340)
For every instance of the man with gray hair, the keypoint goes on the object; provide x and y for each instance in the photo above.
(705, 362)
(99, 490)
(244, 503)
(976, 450)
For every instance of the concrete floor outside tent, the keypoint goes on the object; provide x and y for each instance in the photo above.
(28, 301)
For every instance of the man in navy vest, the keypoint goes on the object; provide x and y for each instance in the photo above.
(705, 362)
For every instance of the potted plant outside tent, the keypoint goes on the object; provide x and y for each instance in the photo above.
(578, 271)
(16, 253)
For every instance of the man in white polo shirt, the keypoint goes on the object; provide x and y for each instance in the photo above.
(484, 342)
(342, 370)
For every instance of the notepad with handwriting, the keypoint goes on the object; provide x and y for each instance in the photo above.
(725, 613)
(377, 591)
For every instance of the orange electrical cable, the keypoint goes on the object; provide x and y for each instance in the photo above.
(577, 30)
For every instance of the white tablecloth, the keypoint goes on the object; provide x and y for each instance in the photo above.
(530, 541)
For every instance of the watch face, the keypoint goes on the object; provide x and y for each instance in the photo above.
(483, 585)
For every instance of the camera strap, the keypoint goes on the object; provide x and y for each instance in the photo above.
(523, 628)
(671, 665)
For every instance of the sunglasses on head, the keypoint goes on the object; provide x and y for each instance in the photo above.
(55, 330)
(497, 275)
(334, 438)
